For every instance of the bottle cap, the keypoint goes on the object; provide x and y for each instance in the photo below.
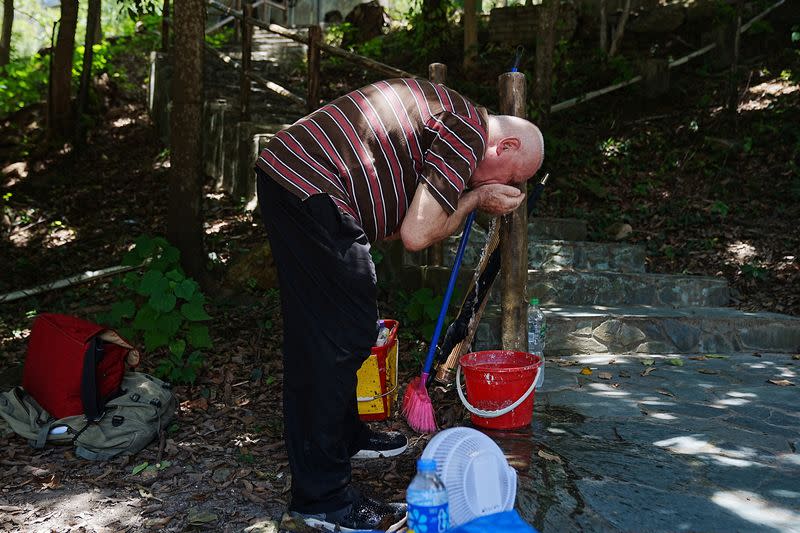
(426, 465)
(534, 301)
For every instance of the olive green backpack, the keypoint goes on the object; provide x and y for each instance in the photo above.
(130, 421)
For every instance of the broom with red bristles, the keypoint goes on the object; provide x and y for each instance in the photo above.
(417, 406)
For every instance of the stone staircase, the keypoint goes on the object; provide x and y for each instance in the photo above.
(598, 298)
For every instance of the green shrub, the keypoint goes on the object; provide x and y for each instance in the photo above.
(162, 309)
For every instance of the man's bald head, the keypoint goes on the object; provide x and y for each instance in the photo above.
(514, 151)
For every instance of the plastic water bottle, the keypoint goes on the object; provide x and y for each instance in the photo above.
(536, 328)
(427, 500)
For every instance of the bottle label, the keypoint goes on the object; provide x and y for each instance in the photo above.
(428, 519)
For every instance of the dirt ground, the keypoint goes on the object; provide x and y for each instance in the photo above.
(721, 201)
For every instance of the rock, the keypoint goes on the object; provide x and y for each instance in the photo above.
(619, 231)
(654, 347)
(614, 332)
(263, 526)
(256, 269)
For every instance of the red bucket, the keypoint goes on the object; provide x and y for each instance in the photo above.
(496, 380)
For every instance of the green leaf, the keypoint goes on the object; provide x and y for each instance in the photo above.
(194, 311)
(168, 259)
(146, 318)
(131, 259)
(169, 323)
(154, 339)
(143, 247)
(131, 280)
(139, 468)
(174, 275)
(177, 347)
(153, 281)
(648, 362)
(123, 309)
(198, 336)
(163, 302)
(126, 333)
(675, 362)
(186, 289)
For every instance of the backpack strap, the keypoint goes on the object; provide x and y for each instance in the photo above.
(90, 392)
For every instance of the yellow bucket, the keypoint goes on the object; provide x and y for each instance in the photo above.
(377, 378)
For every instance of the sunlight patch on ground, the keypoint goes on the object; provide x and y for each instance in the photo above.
(741, 252)
(59, 236)
(753, 508)
(88, 511)
(120, 122)
(216, 226)
(764, 93)
(695, 445)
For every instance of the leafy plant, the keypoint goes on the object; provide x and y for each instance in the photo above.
(719, 208)
(420, 309)
(220, 37)
(163, 309)
(754, 271)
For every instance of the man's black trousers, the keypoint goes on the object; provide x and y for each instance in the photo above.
(328, 291)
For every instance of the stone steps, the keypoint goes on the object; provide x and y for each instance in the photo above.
(561, 255)
(658, 330)
(569, 287)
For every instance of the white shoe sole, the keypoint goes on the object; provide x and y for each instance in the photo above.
(327, 526)
(374, 454)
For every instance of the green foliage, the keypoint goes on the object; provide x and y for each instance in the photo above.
(719, 208)
(754, 271)
(420, 309)
(220, 37)
(162, 309)
(22, 82)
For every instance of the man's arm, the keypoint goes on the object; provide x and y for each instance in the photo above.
(427, 222)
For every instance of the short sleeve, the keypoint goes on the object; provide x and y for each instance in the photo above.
(458, 145)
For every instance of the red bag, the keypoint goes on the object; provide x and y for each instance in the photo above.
(74, 366)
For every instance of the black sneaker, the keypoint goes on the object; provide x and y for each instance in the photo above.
(366, 514)
(382, 444)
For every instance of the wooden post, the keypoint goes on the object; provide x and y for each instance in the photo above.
(732, 96)
(244, 78)
(314, 38)
(165, 27)
(514, 235)
(655, 77)
(237, 23)
(470, 33)
(437, 73)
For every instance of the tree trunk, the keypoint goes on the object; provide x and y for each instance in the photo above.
(470, 33)
(620, 31)
(435, 28)
(61, 119)
(92, 23)
(603, 27)
(184, 218)
(545, 50)
(5, 37)
(165, 26)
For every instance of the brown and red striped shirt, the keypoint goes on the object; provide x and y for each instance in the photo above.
(370, 148)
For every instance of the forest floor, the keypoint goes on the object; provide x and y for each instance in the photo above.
(706, 193)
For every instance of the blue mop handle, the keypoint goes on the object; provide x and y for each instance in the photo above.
(450, 285)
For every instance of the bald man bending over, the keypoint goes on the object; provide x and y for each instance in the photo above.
(401, 158)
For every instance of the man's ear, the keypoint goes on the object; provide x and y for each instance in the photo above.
(508, 143)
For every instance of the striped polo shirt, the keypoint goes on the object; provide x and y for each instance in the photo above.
(370, 148)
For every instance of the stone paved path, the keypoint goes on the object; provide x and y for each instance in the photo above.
(707, 446)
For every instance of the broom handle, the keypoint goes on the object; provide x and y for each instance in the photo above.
(446, 302)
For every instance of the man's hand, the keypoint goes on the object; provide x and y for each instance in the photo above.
(498, 199)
